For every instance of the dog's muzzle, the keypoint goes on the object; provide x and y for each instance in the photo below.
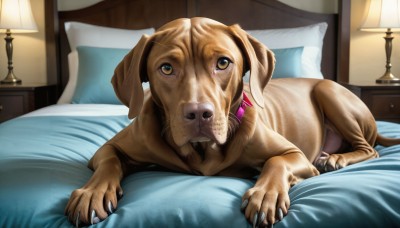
(199, 118)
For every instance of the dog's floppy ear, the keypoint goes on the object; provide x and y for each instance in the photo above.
(260, 62)
(129, 76)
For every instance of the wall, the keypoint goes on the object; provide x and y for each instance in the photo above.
(367, 56)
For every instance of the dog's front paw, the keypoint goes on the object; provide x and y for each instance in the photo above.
(90, 205)
(263, 207)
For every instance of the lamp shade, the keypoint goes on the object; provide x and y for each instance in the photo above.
(382, 14)
(16, 15)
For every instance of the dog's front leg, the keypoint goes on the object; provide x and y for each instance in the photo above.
(268, 201)
(98, 197)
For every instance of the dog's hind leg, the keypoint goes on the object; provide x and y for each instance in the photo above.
(351, 120)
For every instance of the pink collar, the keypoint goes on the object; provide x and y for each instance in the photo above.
(245, 103)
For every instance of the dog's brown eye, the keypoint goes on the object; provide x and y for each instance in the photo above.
(167, 69)
(223, 63)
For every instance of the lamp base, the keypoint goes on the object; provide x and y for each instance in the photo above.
(11, 79)
(388, 78)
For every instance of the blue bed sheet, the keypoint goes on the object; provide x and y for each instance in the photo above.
(43, 159)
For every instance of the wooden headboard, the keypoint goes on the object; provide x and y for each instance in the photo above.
(250, 14)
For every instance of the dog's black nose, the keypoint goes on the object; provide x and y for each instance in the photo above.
(198, 111)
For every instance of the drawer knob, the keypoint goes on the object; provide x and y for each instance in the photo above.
(392, 106)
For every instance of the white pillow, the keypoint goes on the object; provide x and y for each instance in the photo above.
(310, 37)
(68, 93)
(81, 34)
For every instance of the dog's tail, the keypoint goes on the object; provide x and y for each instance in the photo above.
(384, 141)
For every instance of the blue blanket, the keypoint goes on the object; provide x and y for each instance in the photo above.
(43, 159)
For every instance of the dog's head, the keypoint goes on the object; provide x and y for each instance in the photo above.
(195, 69)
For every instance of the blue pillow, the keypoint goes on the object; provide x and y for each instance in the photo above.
(288, 62)
(96, 67)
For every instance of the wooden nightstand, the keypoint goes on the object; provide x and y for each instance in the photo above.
(382, 99)
(16, 100)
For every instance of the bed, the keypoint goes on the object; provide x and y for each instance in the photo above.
(44, 154)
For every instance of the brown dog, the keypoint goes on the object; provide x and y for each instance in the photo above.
(198, 119)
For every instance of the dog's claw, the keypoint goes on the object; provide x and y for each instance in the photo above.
(261, 219)
(77, 220)
(110, 209)
(337, 166)
(120, 194)
(92, 217)
(244, 204)
(280, 214)
(255, 220)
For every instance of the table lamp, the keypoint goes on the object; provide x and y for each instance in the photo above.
(16, 17)
(384, 16)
